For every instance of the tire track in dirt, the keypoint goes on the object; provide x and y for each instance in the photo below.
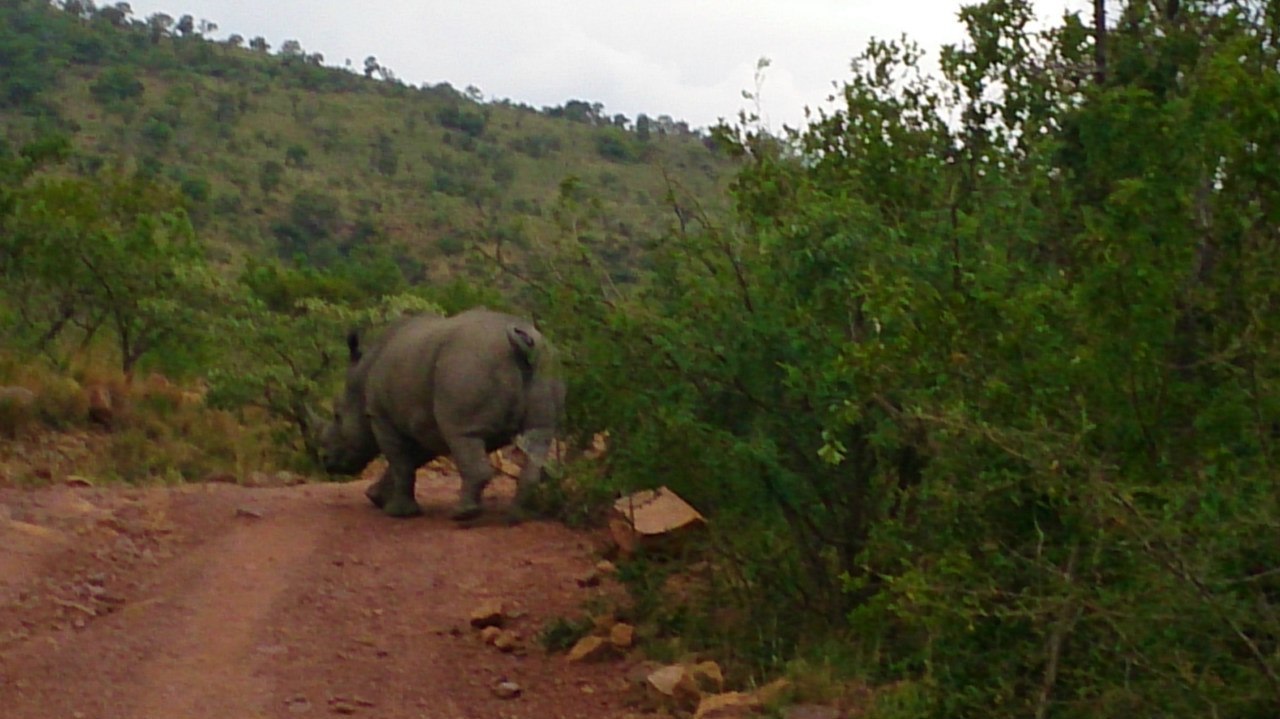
(312, 604)
(179, 646)
(203, 670)
(381, 624)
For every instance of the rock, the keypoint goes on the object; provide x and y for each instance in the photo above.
(489, 635)
(589, 649)
(603, 622)
(731, 705)
(289, 479)
(664, 679)
(506, 690)
(297, 704)
(599, 446)
(488, 614)
(773, 692)
(249, 512)
(708, 676)
(507, 641)
(77, 481)
(672, 685)
(638, 675)
(651, 519)
(505, 464)
(623, 536)
(622, 636)
(605, 568)
(811, 711)
(345, 705)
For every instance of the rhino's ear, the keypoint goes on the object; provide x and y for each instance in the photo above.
(353, 346)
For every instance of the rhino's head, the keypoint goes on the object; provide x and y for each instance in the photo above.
(346, 442)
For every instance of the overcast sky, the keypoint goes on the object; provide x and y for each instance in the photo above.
(690, 59)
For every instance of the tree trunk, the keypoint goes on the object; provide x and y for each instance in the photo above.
(1100, 41)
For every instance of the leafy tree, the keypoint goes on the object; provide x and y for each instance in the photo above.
(292, 352)
(614, 145)
(988, 403)
(117, 15)
(270, 175)
(159, 26)
(114, 253)
(116, 85)
(296, 156)
(470, 122)
(644, 126)
(158, 132)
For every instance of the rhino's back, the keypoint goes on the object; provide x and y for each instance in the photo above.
(455, 374)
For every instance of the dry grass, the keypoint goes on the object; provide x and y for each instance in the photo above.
(156, 431)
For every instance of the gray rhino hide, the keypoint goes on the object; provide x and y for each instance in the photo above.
(460, 386)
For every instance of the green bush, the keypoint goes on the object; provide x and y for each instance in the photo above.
(469, 122)
(617, 146)
(116, 84)
(61, 404)
(992, 402)
(561, 633)
(17, 411)
(157, 132)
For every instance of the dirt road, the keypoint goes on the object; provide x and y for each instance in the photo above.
(214, 600)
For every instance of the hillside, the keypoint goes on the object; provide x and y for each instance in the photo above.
(277, 154)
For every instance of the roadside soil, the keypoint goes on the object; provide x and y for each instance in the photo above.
(220, 601)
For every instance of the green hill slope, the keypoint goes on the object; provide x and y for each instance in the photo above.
(277, 154)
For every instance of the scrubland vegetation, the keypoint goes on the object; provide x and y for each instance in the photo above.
(975, 375)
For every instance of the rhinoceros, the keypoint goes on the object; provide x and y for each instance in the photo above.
(459, 386)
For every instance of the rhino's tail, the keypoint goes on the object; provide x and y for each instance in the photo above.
(524, 340)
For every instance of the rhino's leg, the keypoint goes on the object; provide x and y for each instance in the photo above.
(535, 444)
(379, 490)
(473, 463)
(397, 484)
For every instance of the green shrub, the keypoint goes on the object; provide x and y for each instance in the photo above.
(157, 132)
(561, 633)
(991, 400)
(61, 404)
(116, 84)
(17, 411)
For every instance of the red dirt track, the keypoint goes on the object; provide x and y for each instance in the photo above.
(218, 601)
